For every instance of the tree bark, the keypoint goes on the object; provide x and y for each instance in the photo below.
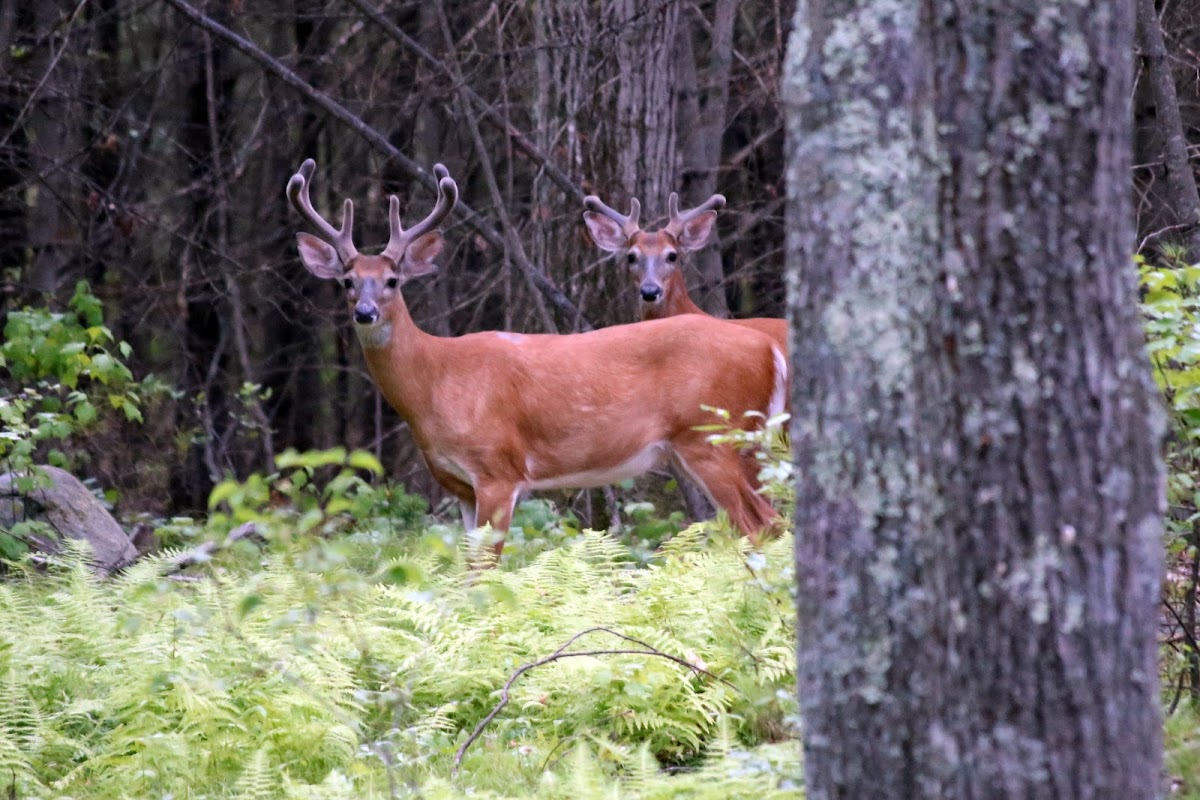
(54, 121)
(1181, 181)
(645, 98)
(978, 515)
(702, 129)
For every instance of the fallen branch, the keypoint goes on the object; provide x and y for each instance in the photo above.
(206, 551)
(560, 654)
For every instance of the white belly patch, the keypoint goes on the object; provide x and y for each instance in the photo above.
(640, 462)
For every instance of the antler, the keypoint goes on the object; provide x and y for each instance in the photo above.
(342, 240)
(629, 224)
(677, 220)
(447, 198)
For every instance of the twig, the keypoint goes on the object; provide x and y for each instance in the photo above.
(558, 655)
(514, 249)
(518, 138)
(1182, 626)
(49, 70)
(1160, 232)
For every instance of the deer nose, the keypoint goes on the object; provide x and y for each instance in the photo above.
(365, 314)
(651, 292)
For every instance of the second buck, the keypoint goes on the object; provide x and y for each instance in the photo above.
(654, 257)
(496, 414)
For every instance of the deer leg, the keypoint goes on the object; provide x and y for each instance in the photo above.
(494, 503)
(467, 509)
(461, 490)
(724, 474)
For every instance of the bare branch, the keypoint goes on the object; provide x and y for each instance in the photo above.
(560, 654)
(380, 142)
(514, 247)
(523, 143)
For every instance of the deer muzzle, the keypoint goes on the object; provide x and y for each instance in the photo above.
(651, 291)
(366, 313)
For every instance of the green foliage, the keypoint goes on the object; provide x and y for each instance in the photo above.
(1171, 316)
(769, 446)
(319, 491)
(62, 378)
(358, 674)
(1181, 748)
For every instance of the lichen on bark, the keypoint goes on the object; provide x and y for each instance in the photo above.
(972, 418)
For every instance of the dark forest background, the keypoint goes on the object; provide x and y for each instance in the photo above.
(145, 146)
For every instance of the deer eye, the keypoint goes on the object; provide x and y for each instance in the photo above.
(631, 258)
(671, 256)
(348, 283)
(392, 282)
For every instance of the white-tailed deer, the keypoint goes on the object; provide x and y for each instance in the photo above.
(654, 256)
(495, 414)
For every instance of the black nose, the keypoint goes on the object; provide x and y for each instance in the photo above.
(365, 315)
(651, 293)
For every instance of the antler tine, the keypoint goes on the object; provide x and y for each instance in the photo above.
(447, 199)
(397, 238)
(629, 223)
(342, 240)
(678, 220)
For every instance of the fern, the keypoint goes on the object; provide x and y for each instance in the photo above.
(257, 780)
(309, 670)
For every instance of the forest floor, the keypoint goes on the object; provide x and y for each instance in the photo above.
(358, 664)
(364, 662)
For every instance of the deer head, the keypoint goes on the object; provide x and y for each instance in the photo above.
(372, 282)
(653, 257)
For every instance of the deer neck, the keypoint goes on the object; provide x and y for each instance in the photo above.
(676, 300)
(398, 357)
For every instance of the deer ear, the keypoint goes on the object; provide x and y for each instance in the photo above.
(696, 231)
(419, 256)
(605, 233)
(319, 257)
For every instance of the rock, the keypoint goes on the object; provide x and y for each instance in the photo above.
(67, 506)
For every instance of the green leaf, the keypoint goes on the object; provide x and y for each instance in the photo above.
(222, 492)
(361, 459)
(85, 412)
(401, 573)
(311, 458)
(247, 604)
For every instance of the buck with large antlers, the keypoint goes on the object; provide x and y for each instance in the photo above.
(495, 414)
(654, 257)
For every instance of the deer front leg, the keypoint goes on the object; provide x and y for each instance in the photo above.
(494, 503)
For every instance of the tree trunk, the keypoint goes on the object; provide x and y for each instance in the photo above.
(14, 157)
(702, 128)
(978, 515)
(645, 99)
(54, 122)
(1181, 181)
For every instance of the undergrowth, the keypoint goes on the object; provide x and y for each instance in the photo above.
(355, 666)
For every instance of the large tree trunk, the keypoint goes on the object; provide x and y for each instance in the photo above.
(979, 508)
